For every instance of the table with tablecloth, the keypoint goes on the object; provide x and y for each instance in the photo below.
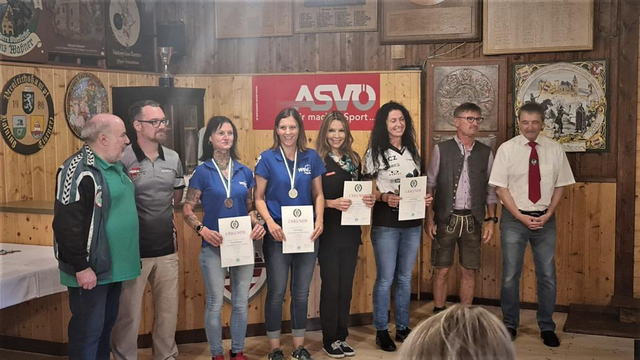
(28, 274)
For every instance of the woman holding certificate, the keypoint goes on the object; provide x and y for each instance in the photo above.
(225, 188)
(338, 253)
(288, 195)
(392, 155)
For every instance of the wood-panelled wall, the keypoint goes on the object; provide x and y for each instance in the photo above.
(32, 177)
(584, 257)
(361, 51)
(585, 252)
(586, 216)
(636, 249)
(225, 95)
(615, 39)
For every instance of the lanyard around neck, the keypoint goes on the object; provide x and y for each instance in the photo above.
(227, 185)
(292, 174)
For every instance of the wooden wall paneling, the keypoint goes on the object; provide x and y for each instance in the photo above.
(73, 142)
(193, 285)
(309, 52)
(5, 74)
(285, 59)
(64, 142)
(11, 229)
(605, 242)
(35, 174)
(636, 267)
(10, 156)
(54, 146)
(585, 258)
(627, 110)
(182, 230)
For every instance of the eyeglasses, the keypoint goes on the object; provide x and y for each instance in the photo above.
(471, 119)
(156, 122)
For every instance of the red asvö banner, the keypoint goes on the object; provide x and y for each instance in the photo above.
(357, 96)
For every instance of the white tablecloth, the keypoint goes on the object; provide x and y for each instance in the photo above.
(28, 274)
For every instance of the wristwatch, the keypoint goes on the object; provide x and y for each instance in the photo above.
(494, 219)
(199, 228)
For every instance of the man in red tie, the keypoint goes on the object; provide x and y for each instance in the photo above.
(530, 172)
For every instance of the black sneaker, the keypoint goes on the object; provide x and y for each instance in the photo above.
(276, 354)
(346, 349)
(438, 309)
(384, 341)
(301, 354)
(513, 333)
(334, 350)
(550, 338)
(402, 334)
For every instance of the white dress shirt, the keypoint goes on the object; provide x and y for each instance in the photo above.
(511, 170)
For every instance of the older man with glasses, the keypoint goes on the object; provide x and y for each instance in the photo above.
(156, 172)
(459, 174)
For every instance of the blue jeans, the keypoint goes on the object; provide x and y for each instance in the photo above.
(214, 276)
(278, 264)
(395, 250)
(514, 238)
(94, 312)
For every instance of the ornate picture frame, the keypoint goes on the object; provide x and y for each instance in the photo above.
(453, 82)
(575, 96)
(86, 96)
(429, 21)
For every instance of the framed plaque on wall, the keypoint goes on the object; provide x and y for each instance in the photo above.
(129, 34)
(512, 27)
(247, 19)
(314, 16)
(78, 27)
(429, 21)
(25, 31)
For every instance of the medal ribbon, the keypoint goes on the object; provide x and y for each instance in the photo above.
(227, 186)
(292, 178)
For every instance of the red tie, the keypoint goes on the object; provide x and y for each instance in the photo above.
(534, 174)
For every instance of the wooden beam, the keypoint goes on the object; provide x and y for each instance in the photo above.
(626, 82)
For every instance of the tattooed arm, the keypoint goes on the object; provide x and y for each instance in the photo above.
(211, 236)
(258, 230)
(193, 197)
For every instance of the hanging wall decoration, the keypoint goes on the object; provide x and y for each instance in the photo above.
(86, 97)
(129, 34)
(575, 100)
(430, 21)
(26, 114)
(78, 27)
(24, 30)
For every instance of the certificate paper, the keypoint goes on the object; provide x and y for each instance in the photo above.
(358, 213)
(297, 225)
(412, 192)
(237, 247)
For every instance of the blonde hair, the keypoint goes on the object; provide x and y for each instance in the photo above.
(460, 332)
(322, 145)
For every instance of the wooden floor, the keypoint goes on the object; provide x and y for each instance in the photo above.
(528, 344)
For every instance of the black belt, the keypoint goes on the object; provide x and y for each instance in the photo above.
(462, 212)
(534, 213)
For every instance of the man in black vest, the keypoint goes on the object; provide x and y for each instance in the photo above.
(459, 174)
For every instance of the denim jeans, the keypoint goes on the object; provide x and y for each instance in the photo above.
(514, 238)
(278, 264)
(94, 313)
(214, 276)
(395, 250)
